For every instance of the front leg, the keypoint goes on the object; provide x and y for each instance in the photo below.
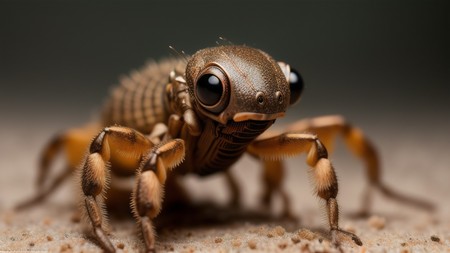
(289, 144)
(148, 192)
(132, 150)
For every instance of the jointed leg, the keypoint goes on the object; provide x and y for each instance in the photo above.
(94, 180)
(272, 179)
(73, 144)
(289, 144)
(48, 155)
(233, 187)
(95, 172)
(148, 193)
(327, 128)
(273, 176)
(44, 192)
(124, 146)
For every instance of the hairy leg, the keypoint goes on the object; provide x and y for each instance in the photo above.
(289, 144)
(328, 128)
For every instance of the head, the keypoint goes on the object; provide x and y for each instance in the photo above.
(241, 83)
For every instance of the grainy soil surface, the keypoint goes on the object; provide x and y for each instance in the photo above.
(211, 225)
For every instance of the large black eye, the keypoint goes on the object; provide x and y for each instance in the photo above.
(209, 89)
(212, 89)
(296, 86)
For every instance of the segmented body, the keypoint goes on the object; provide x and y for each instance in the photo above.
(140, 102)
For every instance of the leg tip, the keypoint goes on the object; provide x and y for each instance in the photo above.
(357, 240)
(337, 232)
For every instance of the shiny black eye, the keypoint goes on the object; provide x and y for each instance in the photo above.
(296, 86)
(209, 89)
(212, 89)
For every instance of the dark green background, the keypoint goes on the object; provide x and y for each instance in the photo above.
(380, 63)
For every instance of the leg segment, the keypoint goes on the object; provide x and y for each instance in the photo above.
(234, 188)
(147, 201)
(73, 144)
(48, 155)
(273, 176)
(44, 192)
(328, 128)
(94, 180)
(127, 149)
(118, 144)
(148, 193)
(290, 144)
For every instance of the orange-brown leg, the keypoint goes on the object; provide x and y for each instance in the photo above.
(327, 128)
(73, 144)
(129, 149)
(289, 144)
(147, 202)
(148, 193)
(272, 179)
(43, 193)
(273, 176)
(235, 193)
(113, 142)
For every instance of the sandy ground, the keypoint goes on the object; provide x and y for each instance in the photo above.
(410, 167)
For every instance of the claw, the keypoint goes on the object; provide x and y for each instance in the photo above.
(103, 240)
(335, 234)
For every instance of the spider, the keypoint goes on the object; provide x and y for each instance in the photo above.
(200, 115)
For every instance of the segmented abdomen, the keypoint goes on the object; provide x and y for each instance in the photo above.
(139, 101)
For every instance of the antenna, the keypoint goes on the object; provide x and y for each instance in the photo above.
(224, 40)
(181, 55)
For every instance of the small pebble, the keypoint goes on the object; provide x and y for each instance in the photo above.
(49, 238)
(169, 248)
(306, 234)
(282, 245)
(435, 238)
(377, 222)
(120, 245)
(218, 240)
(252, 244)
(31, 244)
(279, 230)
(295, 239)
(305, 247)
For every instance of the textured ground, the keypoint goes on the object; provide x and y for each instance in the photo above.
(413, 164)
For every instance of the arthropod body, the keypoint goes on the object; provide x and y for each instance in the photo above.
(224, 117)
(200, 116)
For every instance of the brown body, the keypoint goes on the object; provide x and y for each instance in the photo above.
(199, 117)
(142, 101)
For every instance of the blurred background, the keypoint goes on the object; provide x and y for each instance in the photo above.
(385, 65)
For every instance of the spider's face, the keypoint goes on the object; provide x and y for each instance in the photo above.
(240, 83)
